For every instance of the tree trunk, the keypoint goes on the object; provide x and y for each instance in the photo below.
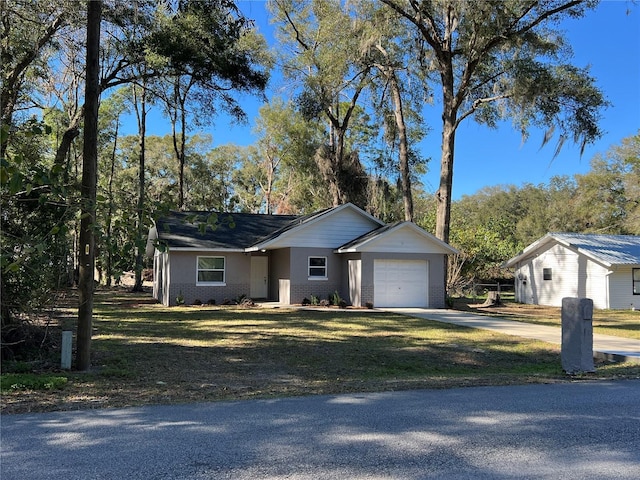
(88, 190)
(110, 211)
(62, 152)
(183, 142)
(142, 133)
(449, 125)
(443, 197)
(179, 109)
(405, 174)
(445, 189)
(493, 299)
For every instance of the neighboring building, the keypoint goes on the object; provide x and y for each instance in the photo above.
(604, 268)
(288, 258)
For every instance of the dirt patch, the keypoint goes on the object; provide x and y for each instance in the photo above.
(507, 309)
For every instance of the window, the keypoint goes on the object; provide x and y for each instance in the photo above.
(636, 281)
(546, 274)
(210, 270)
(317, 268)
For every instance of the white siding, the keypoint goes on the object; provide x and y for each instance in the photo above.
(598, 285)
(621, 289)
(331, 231)
(573, 275)
(564, 266)
(404, 240)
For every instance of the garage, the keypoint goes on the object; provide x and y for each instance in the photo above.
(400, 283)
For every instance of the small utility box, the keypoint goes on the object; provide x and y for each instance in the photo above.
(577, 335)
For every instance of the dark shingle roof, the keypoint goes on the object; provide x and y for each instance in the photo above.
(230, 231)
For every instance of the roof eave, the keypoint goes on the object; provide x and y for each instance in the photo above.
(528, 251)
(206, 249)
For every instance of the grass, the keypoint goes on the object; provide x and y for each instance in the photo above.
(144, 353)
(620, 323)
(31, 381)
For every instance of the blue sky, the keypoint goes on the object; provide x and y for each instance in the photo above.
(607, 40)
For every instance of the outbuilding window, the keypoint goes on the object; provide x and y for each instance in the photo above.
(547, 274)
(317, 268)
(636, 281)
(211, 271)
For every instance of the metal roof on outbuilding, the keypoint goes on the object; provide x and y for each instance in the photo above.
(612, 249)
(607, 249)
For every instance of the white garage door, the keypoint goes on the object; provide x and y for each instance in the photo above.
(400, 283)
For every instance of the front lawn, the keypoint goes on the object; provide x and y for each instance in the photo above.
(146, 353)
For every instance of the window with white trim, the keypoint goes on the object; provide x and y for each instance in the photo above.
(636, 281)
(210, 271)
(547, 274)
(317, 268)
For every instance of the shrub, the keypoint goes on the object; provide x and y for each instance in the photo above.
(315, 300)
(197, 301)
(306, 301)
(31, 381)
(180, 299)
(335, 298)
(369, 305)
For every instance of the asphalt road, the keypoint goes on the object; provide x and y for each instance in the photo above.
(572, 431)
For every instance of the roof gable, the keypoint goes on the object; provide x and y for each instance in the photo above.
(326, 229)
(608, 250)
(398, 237)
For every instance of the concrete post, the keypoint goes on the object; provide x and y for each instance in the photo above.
(577, 335)
(67, 344)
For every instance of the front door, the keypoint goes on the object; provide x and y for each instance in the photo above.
(259, 277)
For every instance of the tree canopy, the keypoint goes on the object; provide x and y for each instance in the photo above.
(502, 60)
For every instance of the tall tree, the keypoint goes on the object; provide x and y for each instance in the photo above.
(324, 36)
(26, 42)
(141, 106)
(88, 191)
(609, 200)
(399, 89)
(285, 153)
(502, 59)
(176, 107)
(111, 110)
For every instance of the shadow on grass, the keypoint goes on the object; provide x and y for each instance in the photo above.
(305, 351)
(147, 353)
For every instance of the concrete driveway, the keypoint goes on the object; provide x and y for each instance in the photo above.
(604, 346)
(562, 431)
